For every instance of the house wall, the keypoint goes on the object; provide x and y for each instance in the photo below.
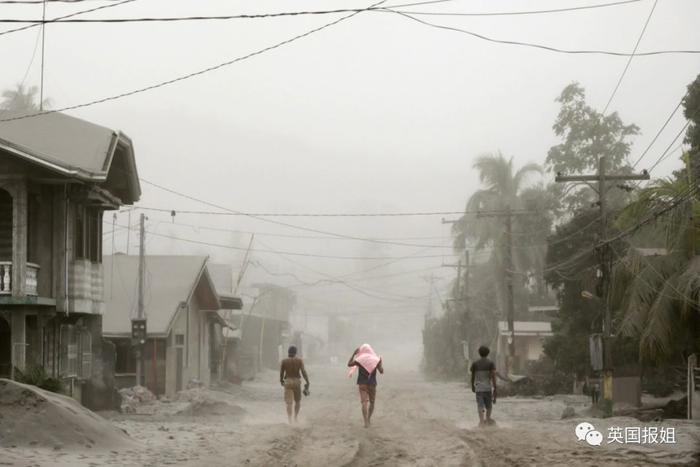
(191, 323)
(154, 368)
(44, 209)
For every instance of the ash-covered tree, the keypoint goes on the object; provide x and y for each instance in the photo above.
(22, 99)
(572, 261)
(657, 295)
(587, 134)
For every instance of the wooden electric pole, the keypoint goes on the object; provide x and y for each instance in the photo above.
(602, 177)
(508, 266)
(139, 325)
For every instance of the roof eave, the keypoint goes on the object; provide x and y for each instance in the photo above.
(135, 185)
(44, 161)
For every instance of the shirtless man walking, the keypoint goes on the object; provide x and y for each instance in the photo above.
(291, 371)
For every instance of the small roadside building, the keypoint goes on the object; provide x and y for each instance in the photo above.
(183, 324)
(530, 330)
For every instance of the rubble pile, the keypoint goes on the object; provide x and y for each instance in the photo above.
(30, 416)
(201, 403)
(134, 397)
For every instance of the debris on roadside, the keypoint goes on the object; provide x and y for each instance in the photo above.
(134, 397)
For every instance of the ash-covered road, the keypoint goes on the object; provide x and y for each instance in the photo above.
(419, 423)
(416, 423)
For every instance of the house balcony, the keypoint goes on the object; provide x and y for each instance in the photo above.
(31, 282)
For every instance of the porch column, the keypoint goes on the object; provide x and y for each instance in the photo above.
(19, 240)
(19, 341)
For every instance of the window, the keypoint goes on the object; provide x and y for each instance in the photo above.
(125, 362)
(69, 351)
(79, 233)
(76, 352)
(179, 339)
(86, 354)
(88, 234)
(94, 235)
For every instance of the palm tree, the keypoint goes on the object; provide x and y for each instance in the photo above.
(657, 296)
(502, 189)
(22, 99)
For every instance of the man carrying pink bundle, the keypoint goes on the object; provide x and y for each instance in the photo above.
(367, 362)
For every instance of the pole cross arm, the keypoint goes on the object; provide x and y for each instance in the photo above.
(592, 178)
(507, 213)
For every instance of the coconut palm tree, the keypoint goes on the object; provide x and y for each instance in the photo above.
(505, 187)
(21, 99)
(502, 189)
(656, 297)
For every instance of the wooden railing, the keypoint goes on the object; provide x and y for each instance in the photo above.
(31, 279)
(5, 277)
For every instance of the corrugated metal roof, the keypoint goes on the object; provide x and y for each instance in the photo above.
(67, 145)
(169, 281)
(222, 276)
(60, 139)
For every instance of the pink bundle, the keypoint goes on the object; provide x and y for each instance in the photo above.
(366, 357)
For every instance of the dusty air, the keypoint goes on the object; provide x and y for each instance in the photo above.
(342, 233)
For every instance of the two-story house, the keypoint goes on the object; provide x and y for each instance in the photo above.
(58, 175)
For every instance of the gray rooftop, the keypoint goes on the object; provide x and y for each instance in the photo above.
(169, 281)
(70, 146)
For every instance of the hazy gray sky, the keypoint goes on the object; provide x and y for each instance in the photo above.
(377, 113)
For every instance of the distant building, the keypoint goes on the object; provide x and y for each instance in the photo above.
(184, 327)
(265, 330)
(226, 357)
(58, 175)
(530, 329)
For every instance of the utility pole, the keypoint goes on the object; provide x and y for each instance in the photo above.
(508, 266)
(138, 325)
(430, 296)
(461, 297)
(602, 177)
(43, 38)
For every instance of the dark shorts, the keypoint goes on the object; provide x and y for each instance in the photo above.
(368, 392)
(484, 400)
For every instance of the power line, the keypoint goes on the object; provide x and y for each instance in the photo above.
(629, 61)
(35, 24)
(541, 46)
(273, 221)
(658, 133)
(217, 229)
(310, 214)
(43, 54)
(193, 74)
(196, 18)
(671, 204)
(666, 153)
(300, 13)
(516, 13)
(37, 2)
(31, 61)
(302, 237)
(290, 253)
(339, 279)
